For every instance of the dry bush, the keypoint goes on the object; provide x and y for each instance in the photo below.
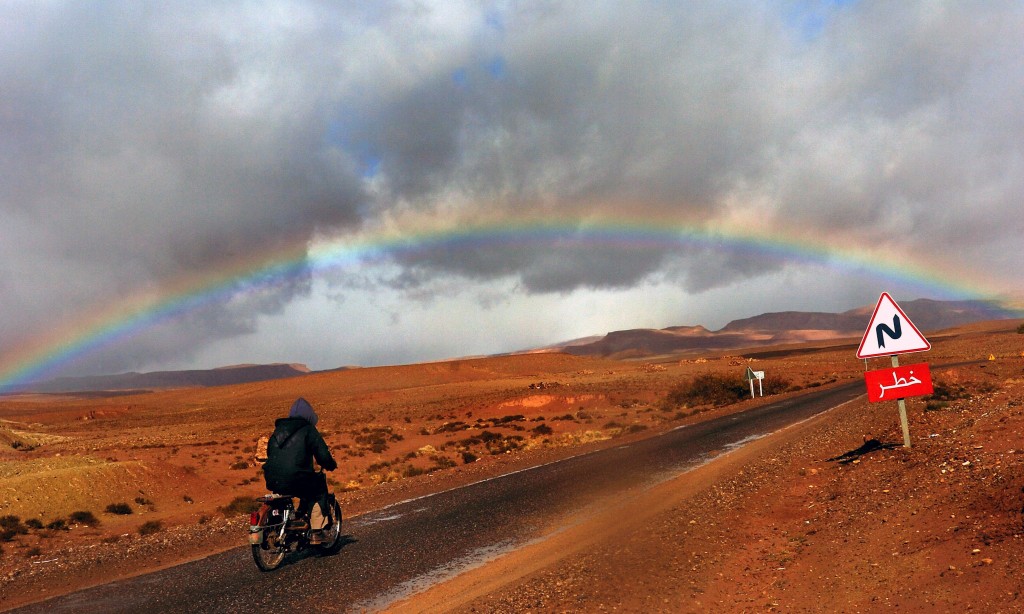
(542, 429)
(240, 505)
(122, 509)
(708, 389)
(151, 527)
(84, 517)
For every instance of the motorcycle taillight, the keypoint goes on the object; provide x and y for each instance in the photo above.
(254, 518)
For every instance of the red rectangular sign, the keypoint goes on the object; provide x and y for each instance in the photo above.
(898, 382)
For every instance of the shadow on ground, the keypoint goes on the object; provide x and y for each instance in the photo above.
(871, 445)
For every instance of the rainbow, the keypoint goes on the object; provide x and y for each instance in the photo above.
(45, 356)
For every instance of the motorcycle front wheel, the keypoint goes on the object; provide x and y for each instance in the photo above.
(332, 532)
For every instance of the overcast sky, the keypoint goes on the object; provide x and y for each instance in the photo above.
(147, 143)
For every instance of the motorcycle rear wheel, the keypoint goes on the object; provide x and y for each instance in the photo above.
(268, 559)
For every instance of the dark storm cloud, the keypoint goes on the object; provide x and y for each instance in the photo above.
(145, 141)
(880, 125)
(141, 141)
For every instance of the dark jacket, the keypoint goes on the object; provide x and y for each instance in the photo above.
(294, 445)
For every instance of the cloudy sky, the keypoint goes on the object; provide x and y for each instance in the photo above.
(809, 154)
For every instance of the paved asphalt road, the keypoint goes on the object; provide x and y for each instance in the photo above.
(400, 549)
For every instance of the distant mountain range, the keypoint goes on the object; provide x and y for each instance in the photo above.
(223, 376)
(780, 328)
(766, 329)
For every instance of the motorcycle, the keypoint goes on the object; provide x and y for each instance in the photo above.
(277, 528)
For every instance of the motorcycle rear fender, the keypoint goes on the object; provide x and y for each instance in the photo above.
(256, 536)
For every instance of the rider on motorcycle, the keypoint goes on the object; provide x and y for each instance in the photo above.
(289, 467)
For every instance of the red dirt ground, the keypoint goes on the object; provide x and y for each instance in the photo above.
(773, 526)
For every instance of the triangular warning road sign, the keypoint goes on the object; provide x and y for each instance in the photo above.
(890, 331)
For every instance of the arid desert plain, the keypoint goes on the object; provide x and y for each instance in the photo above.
(100, 486)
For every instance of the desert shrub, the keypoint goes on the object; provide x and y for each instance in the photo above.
(188, 499)
(612, 425)
(240, 505)
(412, 471)
(143, 501)
(385, 432)
(376, 439)
(86, 518)
(565, 417)
(151, 527)
(708, 389)
(469, 457)
(122, 509)
(10, 522)
(542, 429)
(634, 428)
(504, 444)
(778, 385)
(987, 387)
(1020, 329)
(7, 535)
(440, 462)
(34, 523)
(33, 552)
(451, 427)
(949, 392)
(373, 468)
(58, 525)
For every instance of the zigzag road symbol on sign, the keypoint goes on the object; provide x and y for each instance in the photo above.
(895, 332)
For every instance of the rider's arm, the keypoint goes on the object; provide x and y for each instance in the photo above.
(321, 452)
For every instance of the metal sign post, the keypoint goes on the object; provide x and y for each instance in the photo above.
(903, 410)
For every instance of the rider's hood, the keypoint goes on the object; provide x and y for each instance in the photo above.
(302, 409)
